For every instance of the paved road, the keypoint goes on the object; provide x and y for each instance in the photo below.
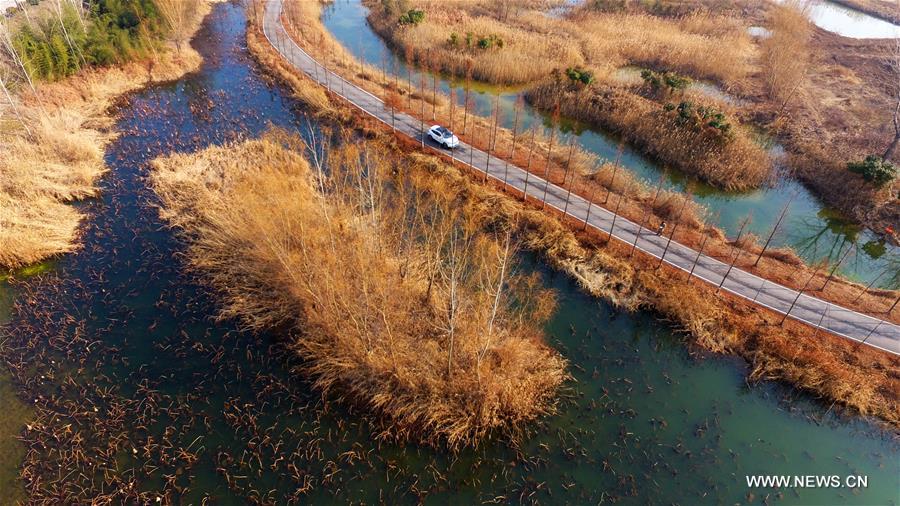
(802, 307)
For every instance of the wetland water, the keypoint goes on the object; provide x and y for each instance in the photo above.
(813, 230)
(122, 348)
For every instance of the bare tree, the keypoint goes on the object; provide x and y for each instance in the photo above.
(648, 212)
(786, 53)
(774, 229)
(515, 133)
(466, 101)
(178, 15)
(891, 150)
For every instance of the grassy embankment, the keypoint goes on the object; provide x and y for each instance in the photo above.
(393, 292)
(611, 187)
(467, 40)
(63, 72)
(884, 9)
(830, 101)
(827, 99)
(834, 369)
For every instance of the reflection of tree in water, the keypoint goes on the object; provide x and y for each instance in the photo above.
(828, 238)
(823, 239)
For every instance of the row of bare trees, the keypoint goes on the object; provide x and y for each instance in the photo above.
(403, 299)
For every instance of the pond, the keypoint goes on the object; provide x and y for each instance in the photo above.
(812, 229)
(645, 419)
(849, 22)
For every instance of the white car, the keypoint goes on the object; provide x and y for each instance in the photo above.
(443, 136)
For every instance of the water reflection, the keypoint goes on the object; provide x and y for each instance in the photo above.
(850, 22)
(646, 421)
(806, 218)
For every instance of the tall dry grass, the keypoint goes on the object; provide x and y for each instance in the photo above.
(830, 367)
(735, 163)
(787, 54)
(825, 365)
(604, 186)
(52, 153)
(393, 292)
(524, 57)
(701, 44)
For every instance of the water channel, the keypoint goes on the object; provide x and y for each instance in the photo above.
(645, 419)
(812, 229)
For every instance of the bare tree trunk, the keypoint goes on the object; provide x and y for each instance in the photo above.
(528, 165)
(836, 266)
(662, 178)
(498, 292)
(687, 197)
(547, 168)
(515, 132)
(15, 109)
(774, 229)
(466, 106)
(697, 258)
(615, 170)
(799, 294)
(737, 254)
(566, 175)
(492, 136)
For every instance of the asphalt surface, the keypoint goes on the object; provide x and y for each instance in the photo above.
(818, 313)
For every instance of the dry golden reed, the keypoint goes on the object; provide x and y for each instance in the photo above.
(52, 153)
(391, 290)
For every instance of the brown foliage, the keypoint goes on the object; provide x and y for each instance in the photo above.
(733, 164)
(55, 154)
(397, 296)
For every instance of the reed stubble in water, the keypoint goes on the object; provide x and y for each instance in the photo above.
(393, 291)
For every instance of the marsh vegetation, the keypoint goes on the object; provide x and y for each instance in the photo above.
(393, 292)
(784, 82)
(60, 71)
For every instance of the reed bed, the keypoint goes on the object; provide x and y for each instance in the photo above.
(830, 367)
(733, 163)
(702, 44)
(392, 293)
(605, 185)
(833, 368)
(52, 153)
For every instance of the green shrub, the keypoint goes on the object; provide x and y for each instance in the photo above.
(701, 117)
(874, 170)
(412, 17)
(116, 31)
(453, 40)
(580, 75)
(489, 42)
(669, 81)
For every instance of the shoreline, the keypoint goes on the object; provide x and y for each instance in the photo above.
(74, 116)
(779, 265)
(116, 82)
(882, 13)
(729, 326)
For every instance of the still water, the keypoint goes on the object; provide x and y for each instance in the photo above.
(813, 230)
(850, 22)
(645, 419)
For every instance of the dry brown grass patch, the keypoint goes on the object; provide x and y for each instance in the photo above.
(57, 155)
(398, 299)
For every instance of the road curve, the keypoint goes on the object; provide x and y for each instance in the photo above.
(838, 320)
